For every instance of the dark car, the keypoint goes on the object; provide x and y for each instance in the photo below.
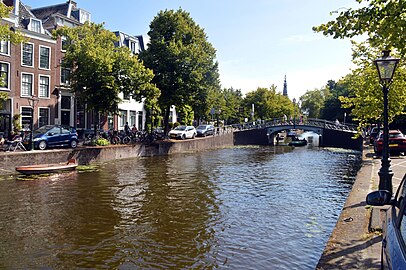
(205, 130)
(373, 135)
(55, 135)
(393, 255)
(397, 142)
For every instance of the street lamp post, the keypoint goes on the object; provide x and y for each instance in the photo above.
(294, 112)
(386, 66)
(32, 101)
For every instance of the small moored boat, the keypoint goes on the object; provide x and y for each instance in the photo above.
(298, 142)
(70, 165)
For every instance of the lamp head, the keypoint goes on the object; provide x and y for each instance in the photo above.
(386, 66)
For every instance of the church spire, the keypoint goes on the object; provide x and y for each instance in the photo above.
(285, 87)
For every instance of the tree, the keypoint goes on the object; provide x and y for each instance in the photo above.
(383, 22)
(366, 98)
(313, 101)
(332, 108)
(100, 71)
(183, 62)
(268, 103)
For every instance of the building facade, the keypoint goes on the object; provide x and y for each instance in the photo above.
(28, 73)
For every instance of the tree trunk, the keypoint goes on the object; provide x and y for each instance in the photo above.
(167, 111)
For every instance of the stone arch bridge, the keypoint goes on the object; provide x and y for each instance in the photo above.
(331, 134)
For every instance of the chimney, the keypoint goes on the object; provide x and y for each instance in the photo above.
(70, 4)
(17, 7)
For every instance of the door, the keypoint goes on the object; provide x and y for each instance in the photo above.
(53, 136)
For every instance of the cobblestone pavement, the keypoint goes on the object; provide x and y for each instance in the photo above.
(355, 242)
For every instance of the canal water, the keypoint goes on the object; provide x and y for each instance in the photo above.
(236, 208)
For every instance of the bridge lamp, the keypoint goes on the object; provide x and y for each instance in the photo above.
(386, 66)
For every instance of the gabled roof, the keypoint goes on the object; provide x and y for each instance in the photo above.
(44, 13)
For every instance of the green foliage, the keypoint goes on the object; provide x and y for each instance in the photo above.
(100, 71)
(366, 96)
(313, 101)
(186, 114)
(3, 98)
(101, 142)
(183, 61)
(382, 21)
(14, 36)
(332, 108)
(267, 104)
(17, 123)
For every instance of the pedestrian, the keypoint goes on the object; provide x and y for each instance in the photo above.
(127, 128)
(134, 129)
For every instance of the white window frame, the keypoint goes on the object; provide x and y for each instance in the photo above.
(49, 57)
(22, 54)
(23, 116)
(31, 27)
(60, 79)
(8, 47)
(39, 86)
(123, 120)
(8, 77)
(32, 84)
(63, 39)
(39, 115)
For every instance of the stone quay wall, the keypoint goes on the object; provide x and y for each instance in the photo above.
(88, 155)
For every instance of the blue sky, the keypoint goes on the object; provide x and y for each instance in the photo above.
(257, 42)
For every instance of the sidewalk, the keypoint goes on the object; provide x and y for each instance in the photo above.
(355, 243)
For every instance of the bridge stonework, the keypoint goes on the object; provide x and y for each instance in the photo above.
(329, 137)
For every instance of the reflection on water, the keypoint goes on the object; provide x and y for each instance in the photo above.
(239, 208)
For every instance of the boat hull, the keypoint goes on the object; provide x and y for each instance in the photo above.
(47, 168)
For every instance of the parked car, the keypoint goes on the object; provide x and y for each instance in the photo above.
(397, 142)
(393, 255)
(183, 132)
(373, 135)
(205, 130)
(55, 135)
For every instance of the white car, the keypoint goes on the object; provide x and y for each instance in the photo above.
(183, 132)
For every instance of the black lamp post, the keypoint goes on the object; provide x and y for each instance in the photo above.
(294, 112)
(32, 101)
(386, 66)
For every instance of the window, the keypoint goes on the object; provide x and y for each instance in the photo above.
(44, 86)
(64, 43)
(44, 57)
(133, 47)
(35, 25)
(140, 117)
(123, 118)
(66, 102)
(80, 116)
(26, 85)
(133, 117)
(65, 74)
(5, 47)
(26, 116)
(65, 130)
(43, 117)
(28, 53)
(110, 121)
(84, 16)
(4, 75)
